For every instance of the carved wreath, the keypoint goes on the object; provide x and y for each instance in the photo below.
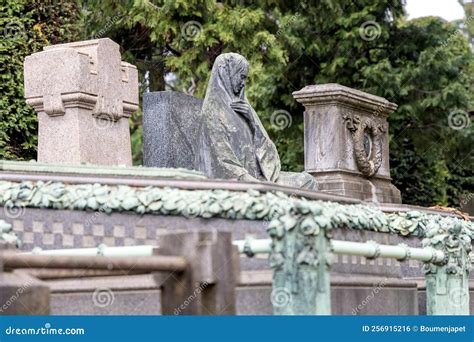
(367, 165)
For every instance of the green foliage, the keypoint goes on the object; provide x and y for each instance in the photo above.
(26, 26)
(423, 65)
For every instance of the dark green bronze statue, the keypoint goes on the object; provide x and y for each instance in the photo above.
(233, 143)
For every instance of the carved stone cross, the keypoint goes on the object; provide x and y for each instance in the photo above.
(84, 95)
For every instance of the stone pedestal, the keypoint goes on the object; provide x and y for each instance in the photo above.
(84, 95)
(346, 142)
(20, 293)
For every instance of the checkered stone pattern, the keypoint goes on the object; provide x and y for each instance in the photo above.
(58, 229)
(53, 229)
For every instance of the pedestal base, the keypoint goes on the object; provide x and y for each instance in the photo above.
(375, 189)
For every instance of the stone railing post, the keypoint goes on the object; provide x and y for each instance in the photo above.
(20, 293)
(346, 142)
(300, 260)
(84, 95)
(208, 286)
(447, 282)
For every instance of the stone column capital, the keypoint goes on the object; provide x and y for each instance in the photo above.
(336, 94)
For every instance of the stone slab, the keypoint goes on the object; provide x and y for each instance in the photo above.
(170, 129)
(107, 302)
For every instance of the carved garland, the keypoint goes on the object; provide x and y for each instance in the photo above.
(454, 239)
(282, 211)
(367, 166)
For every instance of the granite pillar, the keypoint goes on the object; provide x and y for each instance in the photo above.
(84, 95)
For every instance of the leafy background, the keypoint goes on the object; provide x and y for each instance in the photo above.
(424, 65)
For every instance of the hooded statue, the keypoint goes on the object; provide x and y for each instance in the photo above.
(233, 143)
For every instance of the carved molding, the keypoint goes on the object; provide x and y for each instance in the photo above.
(55, 105)
(283, 212)
(454, 240)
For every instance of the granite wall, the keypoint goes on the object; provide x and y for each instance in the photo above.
(359, 286)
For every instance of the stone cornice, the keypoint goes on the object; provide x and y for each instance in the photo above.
(68, 100)
(55, 106)
(282, 211)
(333, 93)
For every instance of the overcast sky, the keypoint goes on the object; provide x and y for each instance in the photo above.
(447, 9)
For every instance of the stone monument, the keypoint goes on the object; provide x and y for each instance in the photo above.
(84, 95)
(225, 140)
(346, 142)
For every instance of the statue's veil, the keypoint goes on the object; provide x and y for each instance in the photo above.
(227, 148)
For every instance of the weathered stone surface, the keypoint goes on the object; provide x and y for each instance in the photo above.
(21, 294)
(171, 123)
(84, 96)
(346, 142)
(350, 295)
(129, 303)
(207, 287)
(129, 295)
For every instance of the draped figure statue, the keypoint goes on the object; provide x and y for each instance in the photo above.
(233, 143)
